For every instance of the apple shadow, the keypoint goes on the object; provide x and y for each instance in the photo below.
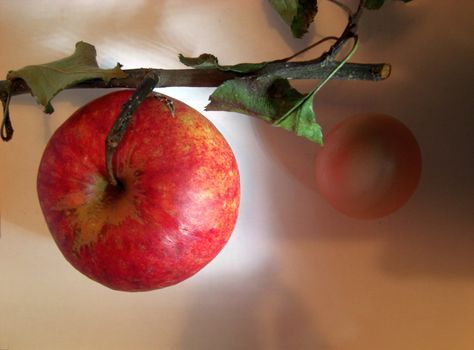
(432, 235)
(251, 312)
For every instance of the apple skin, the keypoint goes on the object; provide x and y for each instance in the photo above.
(176, 205)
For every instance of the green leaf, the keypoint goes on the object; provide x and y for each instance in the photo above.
(298, 14)
(373, 4)
(271, 99)
(376, 4)
(204, 61)
(267, 97)
(47, 80)
(287, 9)
(208, 61)
(302, 120)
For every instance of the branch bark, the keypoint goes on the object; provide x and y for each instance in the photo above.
(215, 77)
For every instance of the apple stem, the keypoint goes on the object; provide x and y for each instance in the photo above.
(123, 120)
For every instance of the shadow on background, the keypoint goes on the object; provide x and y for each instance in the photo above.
(432, 235)
(251, 312)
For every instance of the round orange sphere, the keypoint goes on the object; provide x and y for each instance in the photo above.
(369, 166)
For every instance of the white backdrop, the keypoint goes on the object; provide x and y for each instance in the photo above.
(295, 274)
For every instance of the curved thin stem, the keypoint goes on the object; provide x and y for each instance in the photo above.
(350, 30)
(313, 92)
(317, 43)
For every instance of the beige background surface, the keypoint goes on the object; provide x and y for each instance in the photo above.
(296, 274)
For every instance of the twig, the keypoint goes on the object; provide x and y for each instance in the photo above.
(322, 68)
(215, 77)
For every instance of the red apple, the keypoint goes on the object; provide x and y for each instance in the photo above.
(369, 166)
(175, 207)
